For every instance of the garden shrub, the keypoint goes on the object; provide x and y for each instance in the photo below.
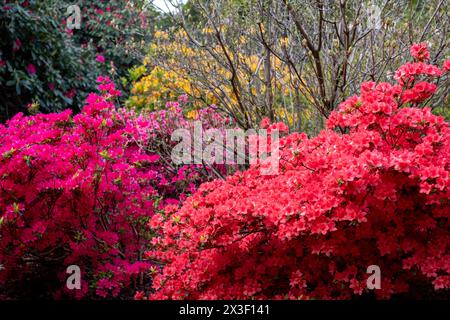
(47, 65)
(79, 190)
(117, 31)
(371, 189)
(39, 63)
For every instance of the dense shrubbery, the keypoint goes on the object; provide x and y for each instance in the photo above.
(39, 63)
(81, 189)
(43, 62)
(372, 189)
(117, 30)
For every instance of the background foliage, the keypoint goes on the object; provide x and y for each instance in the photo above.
(295, 61)
(43, 62)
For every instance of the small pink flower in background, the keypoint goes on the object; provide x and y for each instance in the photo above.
(172, 104)
(140, 295)
(2, 63)
(106, 85)
(6, 7)
(17, 45)
(183, 98)
(70, 93)
(13, 210)
(100, 58)
(99, 11)
(31, 69)
(420, 52)
(51, 86)
(265, 123)
(103, 79)
(446, 65)
(143, 20)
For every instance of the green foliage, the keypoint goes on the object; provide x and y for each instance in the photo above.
(117, 29)
(44, 64)
(40, 63)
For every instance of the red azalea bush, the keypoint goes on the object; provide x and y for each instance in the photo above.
(372, 189)
(80, 190)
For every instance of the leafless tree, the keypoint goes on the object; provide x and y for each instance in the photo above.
(309, 54)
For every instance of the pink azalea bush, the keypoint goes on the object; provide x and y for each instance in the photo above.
(371, 189)
(80, 190)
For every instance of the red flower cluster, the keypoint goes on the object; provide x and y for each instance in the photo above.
(372, 189)
(419, 52)
(81, 189)
(406, 74)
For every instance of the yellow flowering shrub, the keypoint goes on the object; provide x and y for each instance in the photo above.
(174, 67)
(153, 86)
